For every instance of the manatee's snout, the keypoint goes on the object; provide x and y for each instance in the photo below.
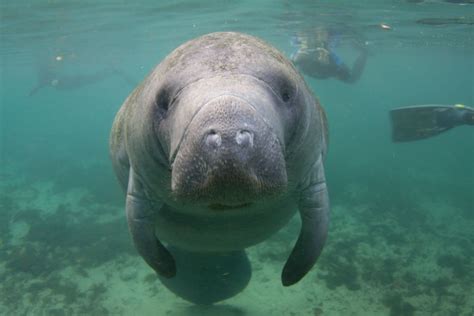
(229, 156)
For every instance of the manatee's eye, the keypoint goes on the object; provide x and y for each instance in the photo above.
(286, 88)
(285, 96)
(287, 91)
(163, 100)
(282, 84)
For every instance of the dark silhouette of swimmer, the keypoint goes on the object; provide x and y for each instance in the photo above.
(50, 76)
(317, 58)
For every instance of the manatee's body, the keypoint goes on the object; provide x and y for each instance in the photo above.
(217, 149)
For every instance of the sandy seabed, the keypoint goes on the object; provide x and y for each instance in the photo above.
(66, 251)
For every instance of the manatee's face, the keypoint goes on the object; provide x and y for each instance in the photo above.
(227, 134)
(231, 151)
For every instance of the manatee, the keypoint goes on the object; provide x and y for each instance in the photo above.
(219, 146)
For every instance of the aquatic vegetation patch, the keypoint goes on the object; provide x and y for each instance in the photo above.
(76, 238)
(459, 266)
(51, 295)
(97, 177)
(395, 250)
(338, 265)
(41, 269)
(392, 257)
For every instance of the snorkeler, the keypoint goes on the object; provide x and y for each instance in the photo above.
(317, 58)
(422, 121)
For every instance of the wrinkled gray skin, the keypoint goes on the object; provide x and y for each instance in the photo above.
(217, 149)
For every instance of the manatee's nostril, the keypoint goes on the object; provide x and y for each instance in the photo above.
(244, 138)
(213, 139)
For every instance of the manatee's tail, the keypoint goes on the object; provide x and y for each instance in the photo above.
(206, 278)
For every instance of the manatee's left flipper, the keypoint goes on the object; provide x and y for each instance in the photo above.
(141, 223)
(314, 212)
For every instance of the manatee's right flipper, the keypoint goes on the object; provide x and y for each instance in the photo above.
(314, 212)
(208, 277)
(141, 223)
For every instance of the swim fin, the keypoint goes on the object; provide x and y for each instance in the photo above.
(422, 121)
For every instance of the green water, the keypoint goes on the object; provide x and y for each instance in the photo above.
(401, 240)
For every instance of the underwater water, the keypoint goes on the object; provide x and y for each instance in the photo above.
(401, 240)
